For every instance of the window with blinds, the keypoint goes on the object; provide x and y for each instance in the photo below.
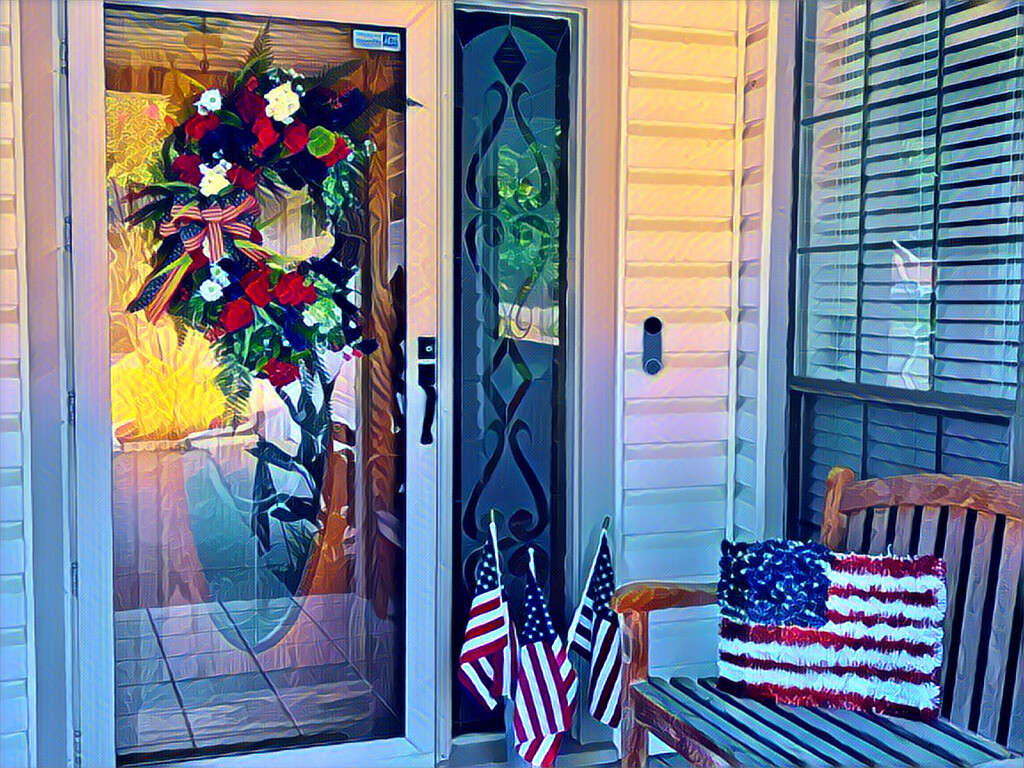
(910, 241)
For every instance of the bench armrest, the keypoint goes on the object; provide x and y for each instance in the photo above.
(646, 596)
(633, 602)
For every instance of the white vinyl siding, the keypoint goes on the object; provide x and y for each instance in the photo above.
(16, 658)
(755, 211)
(693, 192)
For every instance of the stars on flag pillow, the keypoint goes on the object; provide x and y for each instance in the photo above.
(803, 625)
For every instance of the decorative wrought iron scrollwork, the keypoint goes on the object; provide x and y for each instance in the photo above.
(512, 122)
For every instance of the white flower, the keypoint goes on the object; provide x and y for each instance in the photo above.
(282, 103)
(323, 314)
(210, 101)
(218, 275)
(215, 179)
(210, 291)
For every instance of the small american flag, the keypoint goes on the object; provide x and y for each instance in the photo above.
(485, 662)
(594, 634)
(545, 697)
(802, 625)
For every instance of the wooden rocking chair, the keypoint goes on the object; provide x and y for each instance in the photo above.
(976, 525)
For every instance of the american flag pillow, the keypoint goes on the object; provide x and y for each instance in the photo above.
(803, 625)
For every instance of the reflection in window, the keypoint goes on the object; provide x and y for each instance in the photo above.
(910, 242)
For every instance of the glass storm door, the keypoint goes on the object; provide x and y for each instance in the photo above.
(259, 458)
(512, 124)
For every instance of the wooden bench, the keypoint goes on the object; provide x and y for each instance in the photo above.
(976, 525)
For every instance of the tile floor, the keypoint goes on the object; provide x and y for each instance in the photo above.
(188, 677)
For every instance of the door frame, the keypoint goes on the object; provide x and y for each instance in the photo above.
(428, 468)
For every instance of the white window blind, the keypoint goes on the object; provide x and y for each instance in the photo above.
(911, 231)
(910, 242)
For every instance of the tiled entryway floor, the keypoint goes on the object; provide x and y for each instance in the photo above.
(187, 678)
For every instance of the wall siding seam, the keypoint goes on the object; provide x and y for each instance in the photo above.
(738, 126)
(765, 262)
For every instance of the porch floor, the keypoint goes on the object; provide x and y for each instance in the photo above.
(187, 678)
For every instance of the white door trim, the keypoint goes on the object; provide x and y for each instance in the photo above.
(428, 469)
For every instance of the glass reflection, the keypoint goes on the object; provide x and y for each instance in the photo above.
(231, 635)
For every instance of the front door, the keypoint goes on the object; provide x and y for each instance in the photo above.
(251, 438)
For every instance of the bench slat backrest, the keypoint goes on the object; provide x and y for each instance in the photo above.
(976, 526)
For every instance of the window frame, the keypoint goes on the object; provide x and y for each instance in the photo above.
(800, 388)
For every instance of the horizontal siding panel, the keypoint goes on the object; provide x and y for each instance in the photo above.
(685, 556)
(684, 177)
(679, 200)
(710, 154)
(654, 465)
(678, 246)
(11, 494)
(680, 130)
(744, 515)
(752, 201)
(684, 375)
(686, 84)
(681, 224)
(750, 245)
(665, 510)
(656, 101)
(676, 420)
(669, 291)
(688, 637)
(683, 330)
(672, 58)
(688, 36)
(705, 14)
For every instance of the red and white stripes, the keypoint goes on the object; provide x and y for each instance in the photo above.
(880, 648)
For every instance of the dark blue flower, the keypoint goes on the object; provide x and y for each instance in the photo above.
(778, 581)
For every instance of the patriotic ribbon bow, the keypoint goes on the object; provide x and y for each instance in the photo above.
(216, 221)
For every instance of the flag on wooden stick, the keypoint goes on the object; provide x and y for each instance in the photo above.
(545, 695)
(594, 634)
(485, 662)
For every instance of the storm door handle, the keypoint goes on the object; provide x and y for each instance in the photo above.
(428, 383)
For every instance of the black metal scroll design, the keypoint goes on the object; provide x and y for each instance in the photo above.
(511, 73)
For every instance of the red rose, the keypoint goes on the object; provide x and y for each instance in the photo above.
(187, 168)
(199, 260)
(280, 373)
(243, 178)
(296, 137)
(291, 290)
(265, 135)
(256, 285)
(199, 125)
(339, 152)
(214, 333)
(237, 314)
(250, 105)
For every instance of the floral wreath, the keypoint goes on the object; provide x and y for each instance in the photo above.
(274, 130)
